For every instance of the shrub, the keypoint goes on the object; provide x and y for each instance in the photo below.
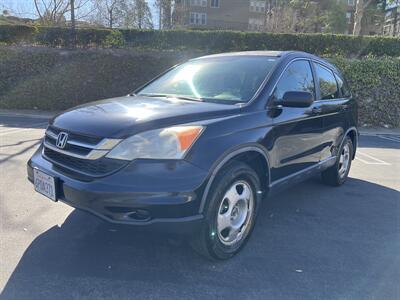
(11, 34)
(114, 39)
(208, 41)
(375, 83)
(56, 79)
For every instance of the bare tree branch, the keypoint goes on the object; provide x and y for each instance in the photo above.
(37, 9)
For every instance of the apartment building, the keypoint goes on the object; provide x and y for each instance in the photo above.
(391, 26)
(251, 15)
(223, 14)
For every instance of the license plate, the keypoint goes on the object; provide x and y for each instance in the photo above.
(44, 184)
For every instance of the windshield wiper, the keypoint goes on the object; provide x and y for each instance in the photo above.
(189, 98)
(173, 96)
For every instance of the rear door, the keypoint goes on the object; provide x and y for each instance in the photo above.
(333, 99)
(297, 132)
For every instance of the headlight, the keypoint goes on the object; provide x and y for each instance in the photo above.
(166, 143)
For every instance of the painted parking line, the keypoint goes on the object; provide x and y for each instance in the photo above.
(370, 160)
(393, 138)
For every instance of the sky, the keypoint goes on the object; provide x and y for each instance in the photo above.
(26, 8)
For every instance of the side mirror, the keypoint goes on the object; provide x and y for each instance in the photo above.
(297, 99)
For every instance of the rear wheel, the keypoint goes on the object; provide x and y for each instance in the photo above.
(337, 174)
(230, 214)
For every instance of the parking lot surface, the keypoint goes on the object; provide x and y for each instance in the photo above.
(310, 242)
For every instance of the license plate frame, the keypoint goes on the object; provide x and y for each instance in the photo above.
(45, 184)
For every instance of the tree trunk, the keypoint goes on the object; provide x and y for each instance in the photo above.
(358, 17)
(167, 10)
(317, 25)
(73, 25)
(160, 16)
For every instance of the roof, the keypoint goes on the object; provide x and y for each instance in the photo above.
(247, 53)
(280, 54)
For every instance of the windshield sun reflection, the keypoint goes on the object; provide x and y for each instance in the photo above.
(186, 74)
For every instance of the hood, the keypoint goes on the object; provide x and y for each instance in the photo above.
(123, 116)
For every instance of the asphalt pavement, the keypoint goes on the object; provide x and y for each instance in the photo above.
(310, 242)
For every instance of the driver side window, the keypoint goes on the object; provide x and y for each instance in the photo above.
(297, 77)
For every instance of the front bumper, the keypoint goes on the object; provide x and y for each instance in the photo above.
(153, 194)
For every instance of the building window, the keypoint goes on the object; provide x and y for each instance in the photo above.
(202, 3)
(256, 24)
(257, 6)
(198, 18)
(214, 3)
(350, 2)
(348, 17)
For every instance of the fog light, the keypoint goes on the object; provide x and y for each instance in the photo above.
(140, 215)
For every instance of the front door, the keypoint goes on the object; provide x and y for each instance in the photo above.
(297, 132)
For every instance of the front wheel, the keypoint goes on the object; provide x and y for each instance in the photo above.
(337, 174)
(231, 212)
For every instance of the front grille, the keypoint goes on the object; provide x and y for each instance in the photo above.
(77, 137)
(81, 154)
(96, 168)
(68, 147)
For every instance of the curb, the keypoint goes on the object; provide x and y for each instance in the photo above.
(27, 113)
(379, 131)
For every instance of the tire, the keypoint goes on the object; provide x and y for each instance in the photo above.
(232, 196)
(336, 175)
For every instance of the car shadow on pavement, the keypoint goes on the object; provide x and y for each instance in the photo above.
(310, 242)
(19, 143)
(9, 154)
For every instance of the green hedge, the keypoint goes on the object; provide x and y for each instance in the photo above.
(375, 83)
(56, 79)
(209, 41)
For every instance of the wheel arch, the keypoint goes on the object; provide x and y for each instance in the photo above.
(352, 133)
(253, 154)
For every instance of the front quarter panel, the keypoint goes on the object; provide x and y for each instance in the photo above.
(226, 135)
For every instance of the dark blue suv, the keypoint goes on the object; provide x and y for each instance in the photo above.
(196, 149)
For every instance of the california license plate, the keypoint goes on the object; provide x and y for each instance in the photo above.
(44, 184)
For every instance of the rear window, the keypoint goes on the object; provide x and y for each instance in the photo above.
(343, 87)
(327, 83)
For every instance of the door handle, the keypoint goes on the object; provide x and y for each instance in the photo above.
(316, 110)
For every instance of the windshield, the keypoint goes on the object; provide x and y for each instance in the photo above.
(224, 79)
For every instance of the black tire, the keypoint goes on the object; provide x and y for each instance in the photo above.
(208, 242)
(332, 176)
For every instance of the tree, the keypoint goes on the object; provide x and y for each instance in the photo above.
(137, 14)
(53, 12)
(110, 12)
(335, 20)
(124, 13)
(143, 14)
(165, 10)
(179, 14)
(362, 6)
